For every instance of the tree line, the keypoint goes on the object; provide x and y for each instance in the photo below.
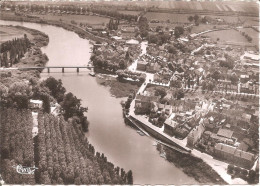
(76, 9)
(16, 145)
(66, 157)
(12, 51)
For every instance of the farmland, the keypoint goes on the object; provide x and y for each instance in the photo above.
(84, 19)
(200, 6)
(165, 16)
(9, 33)
(129, 12)
(232, 36)
(252, 33)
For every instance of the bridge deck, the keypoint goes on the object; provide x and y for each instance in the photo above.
(55, 67)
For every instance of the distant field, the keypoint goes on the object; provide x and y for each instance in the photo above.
(8, 33)
(227, 6)
(227, 36)
(85, 19)
(202, 27)
(252, 33)
(129, 12)
(183, 18)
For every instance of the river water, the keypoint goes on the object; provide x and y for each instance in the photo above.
(122, 145)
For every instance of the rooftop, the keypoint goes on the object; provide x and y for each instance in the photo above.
(225, 133)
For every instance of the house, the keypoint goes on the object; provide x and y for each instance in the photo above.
(35, 104)
(225, 133)
(168, 109)
(129, 29)
(153, 67)
(195, 135)
(132, 42)
(169, 126)
(234, 155)
(244, 159)
(143, 103)
(141, 65)
(98, 28)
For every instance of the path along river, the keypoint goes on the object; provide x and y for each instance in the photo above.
(122, 145)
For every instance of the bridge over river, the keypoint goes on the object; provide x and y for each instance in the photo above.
(50, 67)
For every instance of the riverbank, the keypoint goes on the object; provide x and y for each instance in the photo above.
(70, 27)
(33, 55)
(193, 166)
(116, 88)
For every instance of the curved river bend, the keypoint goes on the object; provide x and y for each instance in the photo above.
(122, 145)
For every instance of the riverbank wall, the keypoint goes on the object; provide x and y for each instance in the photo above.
(157, 135)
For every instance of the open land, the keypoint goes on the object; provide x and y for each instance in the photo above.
(9, 33)
(84, 19)
(227, 36)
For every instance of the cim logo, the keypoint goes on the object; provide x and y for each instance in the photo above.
(25, 170)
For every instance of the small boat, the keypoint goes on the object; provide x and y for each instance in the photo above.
(163, 155)
(92, 74)
(140, 133)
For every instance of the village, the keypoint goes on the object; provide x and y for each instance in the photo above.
(207, 100)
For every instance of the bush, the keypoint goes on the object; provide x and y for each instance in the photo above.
(73, 22)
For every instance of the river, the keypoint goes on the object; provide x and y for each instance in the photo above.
(122, 145)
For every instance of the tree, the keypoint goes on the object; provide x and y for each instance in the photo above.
(153, 39)
(178, 31)
(56, 88)
(172, 50)
(234, 79)
(216, 75)
(190, 18)
(71, 106)
(196, 18)
(129, 177)
(19, 94)
(180, 94)
(251, 177)
(160, 92)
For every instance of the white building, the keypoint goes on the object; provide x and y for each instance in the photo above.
(35, 104)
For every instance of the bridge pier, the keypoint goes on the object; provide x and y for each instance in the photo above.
(62, 70)
(77, 70)
(48, 70)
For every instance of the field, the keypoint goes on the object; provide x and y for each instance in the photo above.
(183, 18)
(85, 19)
(129, 12)
(8, 33)
(228, 36)
(230, 6)
(252, 33)
(202, 27)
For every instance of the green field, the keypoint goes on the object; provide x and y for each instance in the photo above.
(252, 33)
(129, 12)
(227, 36)
(85, 19)
(8, 33)
(183, 18)
(226, 6)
